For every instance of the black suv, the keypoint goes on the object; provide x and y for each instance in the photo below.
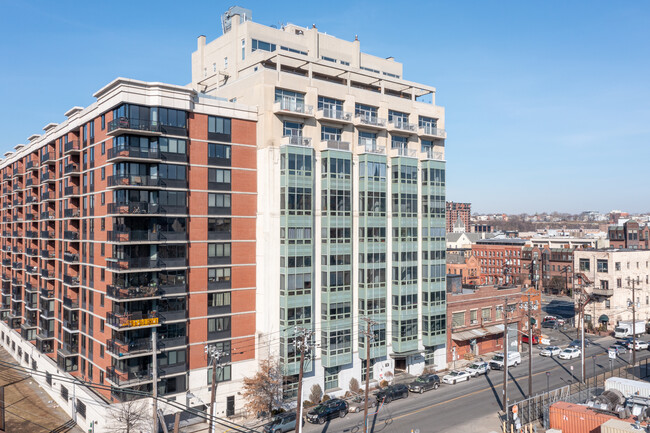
(325, 411)
(391, 392)
(425, 383)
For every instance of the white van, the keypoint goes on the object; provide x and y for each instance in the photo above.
(496, 363)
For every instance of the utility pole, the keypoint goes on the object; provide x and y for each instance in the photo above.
(370, 336)
(633, 324)
(154, 346)
(214, 356)
(530, 347)
(505, 358)
(303, 341)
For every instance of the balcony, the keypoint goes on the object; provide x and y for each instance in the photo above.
(603, 292)
(71, 258)
(48, 254)
(144, 263)
(334, 115)
(31, 165)
(144, 208)
(429, 153)
(71, 325)
(46, 196)
(130, 347)
(293, 107)
(130, 152)
(47, 177)
(6, 277)
(17, 266)
(130, 180)
(70, 280)
(69, 349)
(403, 151)
(44, 334)
(30, 182)
(70, 304)
(71, 191)
(368, 145)
(134, 293)
(46, 314)
(71, 147)
(401, 124)
(31, 305)
(47, 274)
(47, 293)
(124, 235)
(30, 288)
(71, 213)
(48, 215)
(6, 262)
(31, 234)
(132, 320)
(431, 131)
(47, 157)
(130, 378)
(30, 199)
(72, 169)
(369, 121)
(295, 140)
(71, 235)
(32, 270)
(124, 125)
(334, 145)
(48, 234)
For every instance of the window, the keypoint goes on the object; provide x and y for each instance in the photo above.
(261, 45)
(224, 374)
(331, 378)
(218, 175)
(486, 314)
(617, 266)
(602, 265)
(218, 250)
(219, 225)
(217, 275)
(216, 150)
(607, 304)
(604, 285)
(243, 49)
(221, 299)
(619, 283)
(584, 265)
(329, 133)
(217, 200)
(458, 319)
(103, 124)
(219, 125)
(219, 324)
(172, 145)
(473, 317)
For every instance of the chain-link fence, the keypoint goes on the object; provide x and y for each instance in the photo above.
(535, 410)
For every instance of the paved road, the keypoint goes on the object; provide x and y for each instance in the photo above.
(453, 408)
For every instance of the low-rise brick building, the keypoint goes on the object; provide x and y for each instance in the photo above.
(499, 260)
(475, 319)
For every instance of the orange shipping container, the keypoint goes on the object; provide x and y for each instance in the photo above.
(574, 418)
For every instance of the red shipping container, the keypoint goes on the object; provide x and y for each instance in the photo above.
(574, 418)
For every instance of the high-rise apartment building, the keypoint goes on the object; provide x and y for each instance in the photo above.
(132, 223)
(351, 198)
(458, 211)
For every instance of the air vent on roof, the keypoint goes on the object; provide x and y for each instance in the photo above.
(49, 126)
(71, 112)
(33, 137)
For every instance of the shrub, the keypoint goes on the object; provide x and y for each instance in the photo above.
(354, 385)
(325, 398)
(383, 384)
(315, 393)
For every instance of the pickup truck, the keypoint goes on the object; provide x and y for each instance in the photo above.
(496, 363)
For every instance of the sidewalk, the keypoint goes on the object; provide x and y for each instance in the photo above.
(27, 407)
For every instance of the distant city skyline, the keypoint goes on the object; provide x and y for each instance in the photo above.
(546, 103)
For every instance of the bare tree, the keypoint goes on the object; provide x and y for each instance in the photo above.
(263, 392)
(354, 385)
(316, 392)
(133, 416)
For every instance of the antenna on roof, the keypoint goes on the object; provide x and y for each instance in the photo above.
(226, 18)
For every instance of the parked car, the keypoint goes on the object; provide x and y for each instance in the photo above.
(578, 343)
(569, 353)
(477, 368)
(333, 408)
(617, 348)
(552, 324)
(559, 320)
(281, 423)
(425, 383)
(455, 376)
(514, 359)
(640, 345)
(390, 393)
(357, 404)
(550, 351)
(524, 339)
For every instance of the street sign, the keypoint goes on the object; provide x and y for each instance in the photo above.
(515, 409)
(612, 354)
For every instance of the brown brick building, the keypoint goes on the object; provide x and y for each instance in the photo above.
(475, 320)
(133, 221)
(499, 260)
(629, 234)
(552, 268)
(456, 211)
(467, 266)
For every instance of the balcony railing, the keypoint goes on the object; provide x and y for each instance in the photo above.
(132, 180)
(335, 114)
(140, 263)
(603, 292)
(129, 347)
(47, 196)
(336, 144)
(370, 120)
(48, 234)
(72, 325)
(70, 280)
(145, 235)
(71, 190)
(70, 303)
(127, 378)
(132, 320)
(144, 208)
(47, 293)
(71, 257)
(133, 292)
(47, 157)
(48, 215)
(432, 131)
(48, 254)
(126, 124)
(71, 213)
(293, 106)
(31, 234)
(47, 273)
(71, 169)
(71, 235)
(133, 152)
(436, 156)
(296, 140)
(71, 146)
(402, 124)
(31, 269)
(31, 165)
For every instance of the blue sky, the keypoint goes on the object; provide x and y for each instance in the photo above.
(547, 103)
